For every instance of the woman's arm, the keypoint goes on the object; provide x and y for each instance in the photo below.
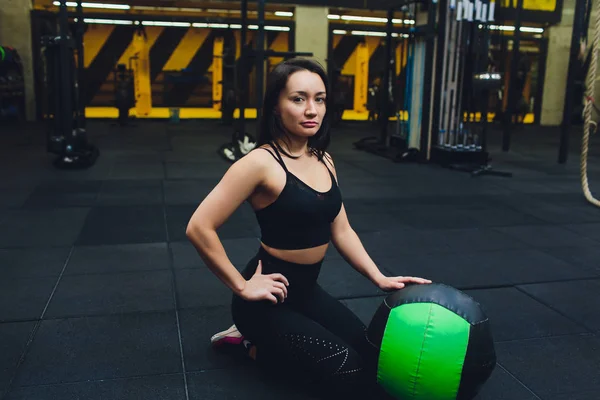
(348, 244)
(238, 183)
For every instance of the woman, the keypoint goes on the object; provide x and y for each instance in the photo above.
(291, 183)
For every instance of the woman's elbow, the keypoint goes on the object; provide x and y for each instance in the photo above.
(194, 230)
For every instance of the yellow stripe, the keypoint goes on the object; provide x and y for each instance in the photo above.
(536, 5)
(279, 44)
(373, 43)
(164, 112)
(152, 33)
(94, 38)
(336, 40)
(206, 113)
(186, 49)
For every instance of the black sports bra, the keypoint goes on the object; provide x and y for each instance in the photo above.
(301, 216)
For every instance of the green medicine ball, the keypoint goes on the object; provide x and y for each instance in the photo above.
(435, 343)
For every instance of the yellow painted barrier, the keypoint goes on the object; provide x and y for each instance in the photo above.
(209, 113)
(141, 71)
(217, 73)
(361, 78)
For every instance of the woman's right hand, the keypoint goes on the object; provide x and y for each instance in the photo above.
(265, 287)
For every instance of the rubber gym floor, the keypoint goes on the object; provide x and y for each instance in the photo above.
(102, 297)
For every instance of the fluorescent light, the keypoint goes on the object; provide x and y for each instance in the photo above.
(370, 19)
(364, 19)
(219, 11)
(402, 21)
(368, 33)
(96, 5)
(270, 28)
(284, 13)
(107, 21)
(166, 23)
(177, 9)
(512, 28)
(339, 32)
(200, 25)
(277, 28)
(530, 29)
(218, 26)
(235, 26)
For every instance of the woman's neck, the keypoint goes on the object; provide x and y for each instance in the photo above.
(295, 147)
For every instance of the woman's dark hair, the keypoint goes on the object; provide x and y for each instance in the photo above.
(271, 127)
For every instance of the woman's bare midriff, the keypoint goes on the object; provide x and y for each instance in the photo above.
(302, 256)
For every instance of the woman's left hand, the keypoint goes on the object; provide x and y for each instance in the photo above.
(388, 283)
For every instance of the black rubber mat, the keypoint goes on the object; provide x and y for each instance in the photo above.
(117, 293)
(13, 342)
(485, 269)
(156, 387)
(130, 192)
(103, 296)
(578, 300)
(565, 364)
(103, 347)
(124, 224)
(527, 318)
(32, 263)
(42, 227)
(104, 259)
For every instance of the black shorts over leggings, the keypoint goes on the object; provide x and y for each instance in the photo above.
(310, 335)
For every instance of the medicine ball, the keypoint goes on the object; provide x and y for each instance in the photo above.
(435, 343)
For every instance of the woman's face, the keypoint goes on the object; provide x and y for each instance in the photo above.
(301, 104)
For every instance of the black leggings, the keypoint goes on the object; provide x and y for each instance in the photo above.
(311, 335)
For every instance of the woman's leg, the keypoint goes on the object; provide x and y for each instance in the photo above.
(334, 316)
(289, 342)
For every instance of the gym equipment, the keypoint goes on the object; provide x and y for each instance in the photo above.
(466, 82)
(577, 66)
(242, 142)
(435, 343)
(472, 140)
(124, 92)
(513, 94)
(66, 134)
(12, 85)
(405, 142)
(589, 105)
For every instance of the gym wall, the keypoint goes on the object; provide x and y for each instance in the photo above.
(181, 61)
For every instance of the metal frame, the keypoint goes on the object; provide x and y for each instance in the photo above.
(543, 45)
(537, 107)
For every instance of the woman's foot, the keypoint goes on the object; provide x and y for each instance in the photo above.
(232, 336)
(228, 336)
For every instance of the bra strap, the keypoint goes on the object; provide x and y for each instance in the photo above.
(330, 173)
(279, 158)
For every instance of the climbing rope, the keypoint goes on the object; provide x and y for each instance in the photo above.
(587, 111)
